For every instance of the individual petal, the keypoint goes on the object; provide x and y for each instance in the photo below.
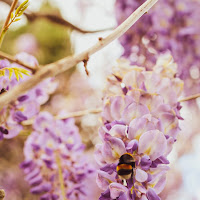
(14, 130)
(113, 107)
(43, 120)
(23, 98)
(118, 130)
(103, 179)
(30, 108)
(105, 195)
(132, 146)
(109, 168)
(116, 107)
(160, 160)
(19, 117)
(54, 197)
(45, 197)
(158, 183)
(152, 143)
(36, 180)
(141, 175)
(116, 190)
(98, 155)
(139, 126)
(1, 136)
(45, 187)
(145, 162)
(151, 195)
(132, 111)
(113, 148)
(170, 143)
(143, 197)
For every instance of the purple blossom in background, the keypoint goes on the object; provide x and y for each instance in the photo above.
(26, 43)
(169, 26)
(27, 105)
(55, 165)
(140, 115)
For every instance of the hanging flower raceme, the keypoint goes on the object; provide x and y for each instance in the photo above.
(55, 165)
(27, 105)
(140, 118)
(169, 26)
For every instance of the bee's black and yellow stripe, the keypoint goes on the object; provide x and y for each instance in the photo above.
(125, 166)
(124, 169)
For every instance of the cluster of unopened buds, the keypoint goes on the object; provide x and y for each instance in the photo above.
(140, 125)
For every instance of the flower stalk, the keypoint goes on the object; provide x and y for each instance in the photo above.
(190, 97)
(60, 175)
(5, 26)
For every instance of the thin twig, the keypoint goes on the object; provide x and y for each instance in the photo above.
(79, 113)
(190, 97)
(13, 59)
(60, 176)
(56, 19)
(64, 64)
(59, 20)
(69, 115)
(3, 30)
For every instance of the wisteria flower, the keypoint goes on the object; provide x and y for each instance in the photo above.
(140, 128)
(168, 26)
(55, 165)
(27, 105)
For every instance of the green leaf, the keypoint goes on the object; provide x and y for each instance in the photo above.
(12, 15)
(10, 72)
(24, 71)
(19, 11)
(20, 74)
(16, 74)
(17, 70)
(2, 72)
(17, 19)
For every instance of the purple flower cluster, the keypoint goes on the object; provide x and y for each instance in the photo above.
(140, 118)
(27, 105)
(54, 163)
(169, 26)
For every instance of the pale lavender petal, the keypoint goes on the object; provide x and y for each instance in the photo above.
(139, 126)
(152, 143)
(132, 146)
(141, 175)
(117, 189)
(118, 131)
(143, 197)
(103, 179)
(45, 187)
(112, 149)
(109, 168)
(98, 155)
(145, 162)
(14, 130)
(159, 183)
(116, 108)
(170, 143)
(132, 111)
(151, 195)
(105, 195)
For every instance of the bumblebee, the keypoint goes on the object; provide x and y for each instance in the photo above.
(125, 166)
